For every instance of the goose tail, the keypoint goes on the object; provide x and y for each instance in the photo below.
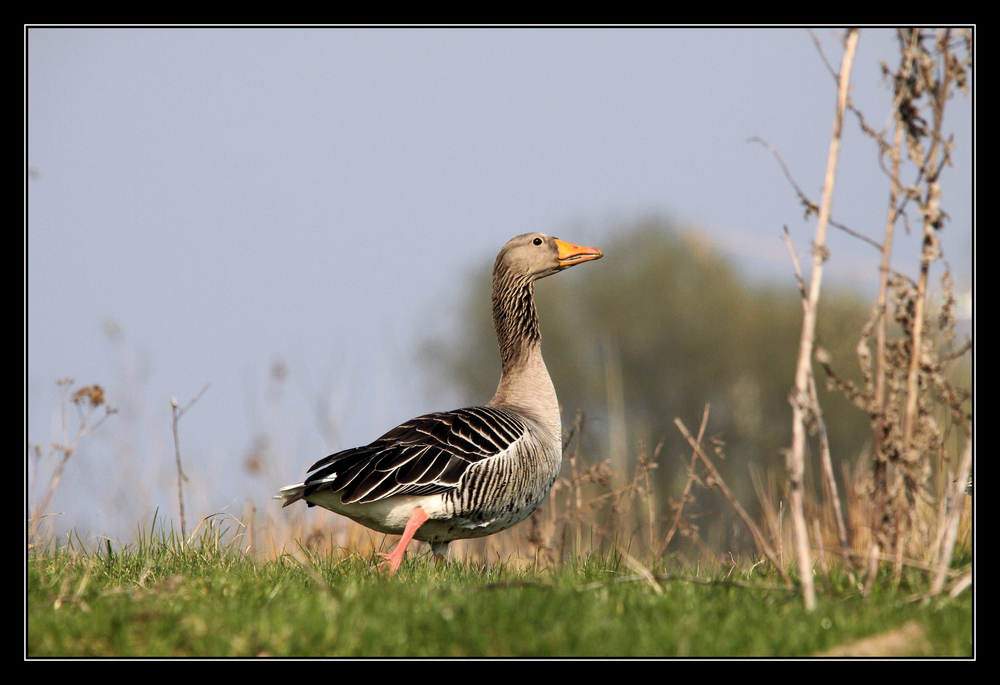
(290, 493)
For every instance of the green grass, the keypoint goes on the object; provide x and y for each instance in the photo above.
(158, 598)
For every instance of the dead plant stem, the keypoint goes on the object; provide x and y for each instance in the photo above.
(687, 487)
(758, 537)
(955, 505)
(177, 414)
(801, 400)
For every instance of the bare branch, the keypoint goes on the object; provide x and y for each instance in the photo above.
(801, 401)
(758, 536)
(178, 413)
(811, 207)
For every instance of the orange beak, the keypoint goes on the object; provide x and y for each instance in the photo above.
(570, 254)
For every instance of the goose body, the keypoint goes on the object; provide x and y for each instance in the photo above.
(474, 471)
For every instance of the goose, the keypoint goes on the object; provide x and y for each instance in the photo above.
(470, 472)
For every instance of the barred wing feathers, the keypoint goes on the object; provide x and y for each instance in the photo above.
(424, 456)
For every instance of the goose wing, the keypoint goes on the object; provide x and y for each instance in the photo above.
(426, 455)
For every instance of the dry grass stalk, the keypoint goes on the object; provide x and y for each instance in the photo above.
(87, 400)
(815, 417)
(955, 503)
(177, 414)
(802, 404)
(686, 496)
(759, 539)
(829, 481)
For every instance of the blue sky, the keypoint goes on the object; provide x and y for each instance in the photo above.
(203, 203)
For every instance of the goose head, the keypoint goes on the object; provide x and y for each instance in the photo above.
(536, 255)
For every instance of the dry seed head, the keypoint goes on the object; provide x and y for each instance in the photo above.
(93, 394)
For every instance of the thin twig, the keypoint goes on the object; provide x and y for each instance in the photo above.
(827, 461)
(758, 537)
(687, 487)
(89, 398)
(178, 413)
(811, 207)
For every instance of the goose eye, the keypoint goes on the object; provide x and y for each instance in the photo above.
(537, 241)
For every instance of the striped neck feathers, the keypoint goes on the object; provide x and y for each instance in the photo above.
(514, 317)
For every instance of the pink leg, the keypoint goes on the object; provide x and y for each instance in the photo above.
(393, 560)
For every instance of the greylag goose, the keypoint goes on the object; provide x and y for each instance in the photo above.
(471, 472)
